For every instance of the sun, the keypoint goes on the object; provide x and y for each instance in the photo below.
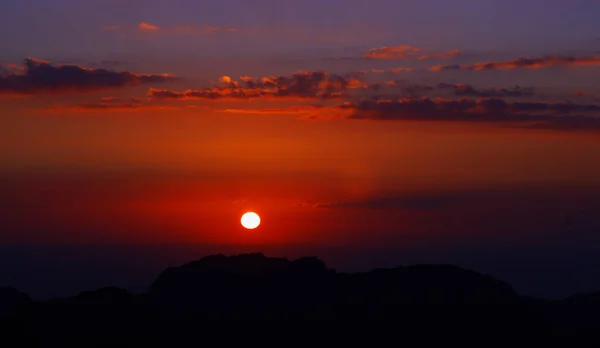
(250, 220)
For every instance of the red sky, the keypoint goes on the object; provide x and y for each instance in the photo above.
(168, 129)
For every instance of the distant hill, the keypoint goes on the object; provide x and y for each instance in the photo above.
(253, 286)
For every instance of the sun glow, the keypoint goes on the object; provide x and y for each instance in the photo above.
(250, 220)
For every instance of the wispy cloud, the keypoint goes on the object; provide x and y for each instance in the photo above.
(301, 85)
(401, 70)
(566, 116)
(406, 202)
(441, 55)
(147, 26)
(108, 104)
(170, 30)
(325, 96)
(407, 51)
(524, 63)
(42, 77)
(465, 90)
(289, 110)
(534, 115)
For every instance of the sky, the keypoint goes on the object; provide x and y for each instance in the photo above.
(379, 123)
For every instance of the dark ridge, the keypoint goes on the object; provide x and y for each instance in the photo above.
(253, 286)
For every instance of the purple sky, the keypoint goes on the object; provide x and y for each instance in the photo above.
(73, 29)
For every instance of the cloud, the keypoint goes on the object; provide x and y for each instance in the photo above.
(565, 116)
(417, 90)
(524, 63)
(392, 52)
(557, 116)
(580, 93)
(147, 26)
(288, 110)
(441, 55)
(301, 85)
(170, 30)
(401, 203)
(303, 112)
(41, 77)
(407, 51)
(107, 104)
(401, 70)
(459, 90)
(463, 90)
(422, 201)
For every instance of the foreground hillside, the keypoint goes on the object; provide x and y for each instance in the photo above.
(253, 286)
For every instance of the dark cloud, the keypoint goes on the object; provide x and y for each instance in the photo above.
(401, 203)
(420, 201)
(460, 109)
(394, 101)
(565, 116)
(302, 85)
(463, 90)
(460, 90)
(525, 63)
(400, 70)
(417, 90)
(568, 123)
(42, 77)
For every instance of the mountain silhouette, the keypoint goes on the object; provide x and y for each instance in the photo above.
(253, 286)
(12, 301)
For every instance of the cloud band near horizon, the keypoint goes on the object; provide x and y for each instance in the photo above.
(38, 77)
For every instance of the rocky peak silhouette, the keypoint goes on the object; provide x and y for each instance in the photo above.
(254, 286)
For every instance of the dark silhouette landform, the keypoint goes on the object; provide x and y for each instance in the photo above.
(253, 286)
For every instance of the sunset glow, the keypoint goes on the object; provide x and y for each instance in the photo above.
(345, 124)
(250, 220)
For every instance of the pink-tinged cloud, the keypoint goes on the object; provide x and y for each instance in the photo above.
(42, 77)
(170, 30)
(377, 71)
(147, 26)
(191, 29)
(289, 110)
(441, 55)
(301, 85)
(401, 70)
(392, 52)
(407, 51)
(107, 104)
(524, 63)
(580, 93)
(303, 112)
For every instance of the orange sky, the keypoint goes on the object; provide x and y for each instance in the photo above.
(187, 175)
(344, 142)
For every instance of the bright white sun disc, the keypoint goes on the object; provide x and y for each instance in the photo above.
(250, 220)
